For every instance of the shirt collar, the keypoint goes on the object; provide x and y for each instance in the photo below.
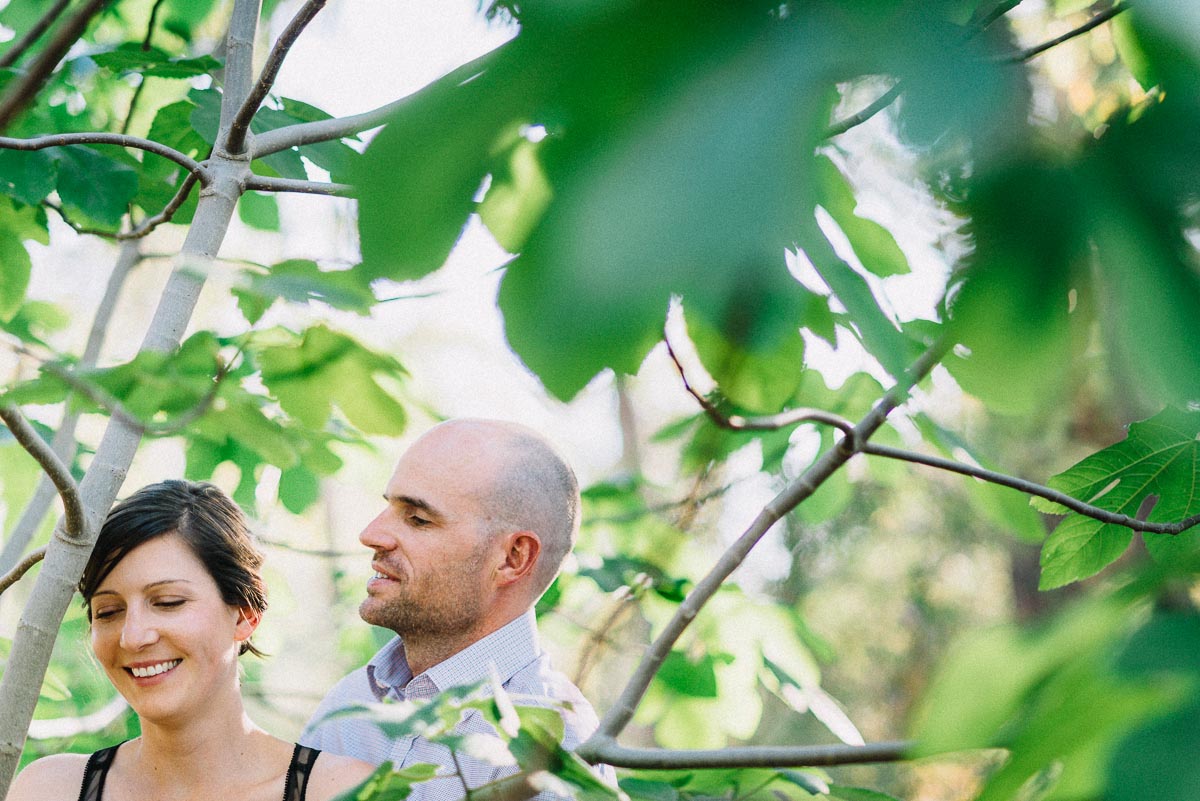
(508, 648)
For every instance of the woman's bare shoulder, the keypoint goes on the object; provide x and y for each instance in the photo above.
(333, 774)
(53, 778)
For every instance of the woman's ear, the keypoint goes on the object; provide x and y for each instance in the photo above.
(247, 621)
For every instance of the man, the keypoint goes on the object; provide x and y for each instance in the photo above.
(479, 517)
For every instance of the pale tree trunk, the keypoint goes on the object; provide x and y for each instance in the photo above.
(66, 557)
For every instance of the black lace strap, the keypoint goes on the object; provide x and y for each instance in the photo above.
(96, 772)
(296, 785)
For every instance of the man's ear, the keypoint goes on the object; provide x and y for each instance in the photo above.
(521, 552)
(247, 621)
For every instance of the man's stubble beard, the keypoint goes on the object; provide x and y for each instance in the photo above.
(436, 605)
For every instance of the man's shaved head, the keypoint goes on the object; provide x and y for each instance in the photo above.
(533, 489)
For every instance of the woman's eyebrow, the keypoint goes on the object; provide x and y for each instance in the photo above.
(151, 585)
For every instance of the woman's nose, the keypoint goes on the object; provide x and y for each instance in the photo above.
(137, 633)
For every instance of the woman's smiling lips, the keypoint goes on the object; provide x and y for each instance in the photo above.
(148, 670)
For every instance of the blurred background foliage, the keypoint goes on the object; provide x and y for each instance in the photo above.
(637, 156)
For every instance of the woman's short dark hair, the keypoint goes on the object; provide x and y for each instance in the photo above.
(202, 516)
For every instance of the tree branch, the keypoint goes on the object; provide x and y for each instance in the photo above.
(768, 423)
(25, 88)
(1094, 22)
(13, 576)
(64, 439)
(101, 138)
(1029, 488)
(59, 473)
(235, 142)
(18, 48)
(306, 133)
(622, 710)
(263, 183)
(609, 752)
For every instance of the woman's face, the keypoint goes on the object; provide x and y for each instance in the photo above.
(167, 640)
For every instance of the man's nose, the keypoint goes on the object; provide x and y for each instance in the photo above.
(138, 632)
(376, 534)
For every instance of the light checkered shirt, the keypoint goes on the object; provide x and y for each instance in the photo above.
(523, 668)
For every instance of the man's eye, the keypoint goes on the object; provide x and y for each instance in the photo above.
(418, 521)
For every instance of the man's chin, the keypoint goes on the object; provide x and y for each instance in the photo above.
(379, 612)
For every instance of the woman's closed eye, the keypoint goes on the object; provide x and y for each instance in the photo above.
(106, 612)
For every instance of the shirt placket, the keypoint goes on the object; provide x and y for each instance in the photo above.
(420, 688)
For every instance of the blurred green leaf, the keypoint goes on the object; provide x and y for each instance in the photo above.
(300, 281)
(259, 210)
(313, 373)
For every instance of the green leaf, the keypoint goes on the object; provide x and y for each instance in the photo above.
(691, 678)
(299, 488)
(300, 281)
(131, 57)
(99, 186)
(1160, 457)
(324, 369)
(441, 142)
(27, 176)
(879, 334)
(15, 268)
(1013, 310)
(259, 210)
(874, 245)
(1154, 761)
(844, 793)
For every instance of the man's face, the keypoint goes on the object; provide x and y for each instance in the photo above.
(432, 569)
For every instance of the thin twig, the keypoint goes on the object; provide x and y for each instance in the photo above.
(76, 227)
(101, 138)
(625, 601)
(996, 13)
(768, 423)
(264, 183)
(876, 106)
(1094, 22)
(1030, 488)
(59, 473)
(235, 142)
(18, 48)
(609, 752)
(13, 576)
(150, 223)
(459, 773)
(829, 462)
(158, 4)
(24, 88)
(133, 102)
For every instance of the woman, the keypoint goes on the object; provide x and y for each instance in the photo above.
(173, 592)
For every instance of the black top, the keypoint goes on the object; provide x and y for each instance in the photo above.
(294, 787)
